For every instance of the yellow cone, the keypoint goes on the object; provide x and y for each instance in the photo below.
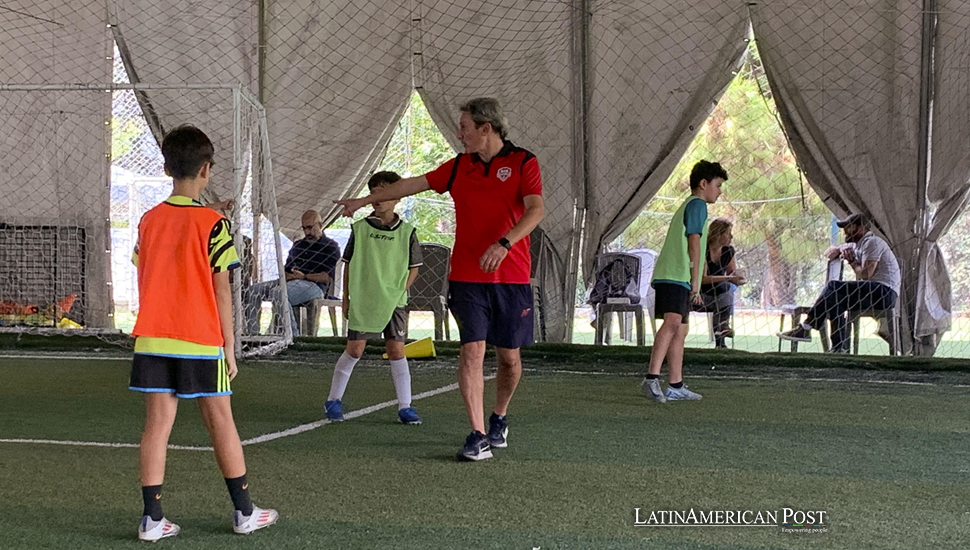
(419, 349)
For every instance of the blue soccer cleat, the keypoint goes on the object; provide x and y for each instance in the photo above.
(408, 415)
(334, 410)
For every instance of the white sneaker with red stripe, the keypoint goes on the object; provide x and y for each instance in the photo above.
(257, 520)
(151, 530)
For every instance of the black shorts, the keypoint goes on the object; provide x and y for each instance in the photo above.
(396, 329)
(186, 378)
(498, 313)
(671, 298)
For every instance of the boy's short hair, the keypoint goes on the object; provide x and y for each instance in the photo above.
(186, 149)
(706, 170)
(381, 178)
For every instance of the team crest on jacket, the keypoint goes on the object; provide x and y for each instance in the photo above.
(504, 173)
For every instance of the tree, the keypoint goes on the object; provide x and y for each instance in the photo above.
(418, 147)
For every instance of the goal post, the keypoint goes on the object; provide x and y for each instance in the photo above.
(70, 198)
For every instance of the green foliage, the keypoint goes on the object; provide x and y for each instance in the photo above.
(124, 133)
(956, 250)
(418, 147)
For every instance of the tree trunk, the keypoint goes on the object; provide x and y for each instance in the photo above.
(779, 282)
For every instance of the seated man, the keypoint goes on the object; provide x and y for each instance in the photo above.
(876, 285)
(309, 271)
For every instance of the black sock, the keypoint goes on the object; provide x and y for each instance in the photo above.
(678, 385)
(239, 493)
(653, 376)
(152, 496)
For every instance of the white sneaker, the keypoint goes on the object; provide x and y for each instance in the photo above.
(257, 520)
(681, 394)
(651, 389)
(151, 530)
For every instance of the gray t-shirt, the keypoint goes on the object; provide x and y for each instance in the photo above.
(873, 248)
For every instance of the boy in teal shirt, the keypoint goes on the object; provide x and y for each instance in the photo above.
(677, 281)
(381, 261)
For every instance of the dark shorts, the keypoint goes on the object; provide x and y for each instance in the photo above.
(671, 298)
(396, 329)
(498, 313)
(186, 378)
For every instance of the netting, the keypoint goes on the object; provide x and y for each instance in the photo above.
(843, 107)
(780, 226)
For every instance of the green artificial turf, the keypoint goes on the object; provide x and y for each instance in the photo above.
(890, 463)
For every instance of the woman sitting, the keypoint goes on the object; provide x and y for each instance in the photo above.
(719, 280)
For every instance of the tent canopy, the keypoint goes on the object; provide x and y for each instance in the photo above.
(607, 93)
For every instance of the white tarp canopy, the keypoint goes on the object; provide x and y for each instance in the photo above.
(607, 93)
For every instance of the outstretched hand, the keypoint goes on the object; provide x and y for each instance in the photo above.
(350, 206)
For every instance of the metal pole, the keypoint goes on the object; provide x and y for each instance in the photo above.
(238, 172)
(270, 188)
(923, 159)
(581, 149)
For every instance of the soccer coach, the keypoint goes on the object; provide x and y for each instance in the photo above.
(497, 191)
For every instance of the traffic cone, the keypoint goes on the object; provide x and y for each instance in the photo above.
(419, 349)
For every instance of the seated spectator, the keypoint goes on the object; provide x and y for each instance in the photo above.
(720, 279)
(309, 272)
(876, 285)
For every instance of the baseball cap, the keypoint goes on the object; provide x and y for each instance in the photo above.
(853, 219)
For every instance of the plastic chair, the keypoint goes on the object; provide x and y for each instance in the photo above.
(429, 292)
(605, 311)
(308, 313)
(833, 272)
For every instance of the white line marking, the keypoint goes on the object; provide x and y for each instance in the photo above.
(99, 444)
(768, 378)
(252, 441)
(67, 357)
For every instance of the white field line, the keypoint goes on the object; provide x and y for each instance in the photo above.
(252, 441)
(768, 378)
(68, 357)
(98, 444)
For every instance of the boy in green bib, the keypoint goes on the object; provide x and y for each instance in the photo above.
(677, 281)
(381, 261)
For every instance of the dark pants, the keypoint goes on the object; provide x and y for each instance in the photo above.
(720, 304)
(840, 297)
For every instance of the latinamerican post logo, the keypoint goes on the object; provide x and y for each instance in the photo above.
(789, 520)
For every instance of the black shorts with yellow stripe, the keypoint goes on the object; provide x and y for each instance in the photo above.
(187, 378)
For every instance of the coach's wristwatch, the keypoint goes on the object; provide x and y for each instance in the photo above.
(505, 242)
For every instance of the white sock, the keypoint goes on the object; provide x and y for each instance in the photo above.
(402, 382)
(341, 375)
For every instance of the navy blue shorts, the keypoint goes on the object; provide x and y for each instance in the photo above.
(498, 313)
(671, 298)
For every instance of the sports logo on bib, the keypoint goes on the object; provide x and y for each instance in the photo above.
(504, 173)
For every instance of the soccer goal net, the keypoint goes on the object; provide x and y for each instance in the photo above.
(81, 165)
